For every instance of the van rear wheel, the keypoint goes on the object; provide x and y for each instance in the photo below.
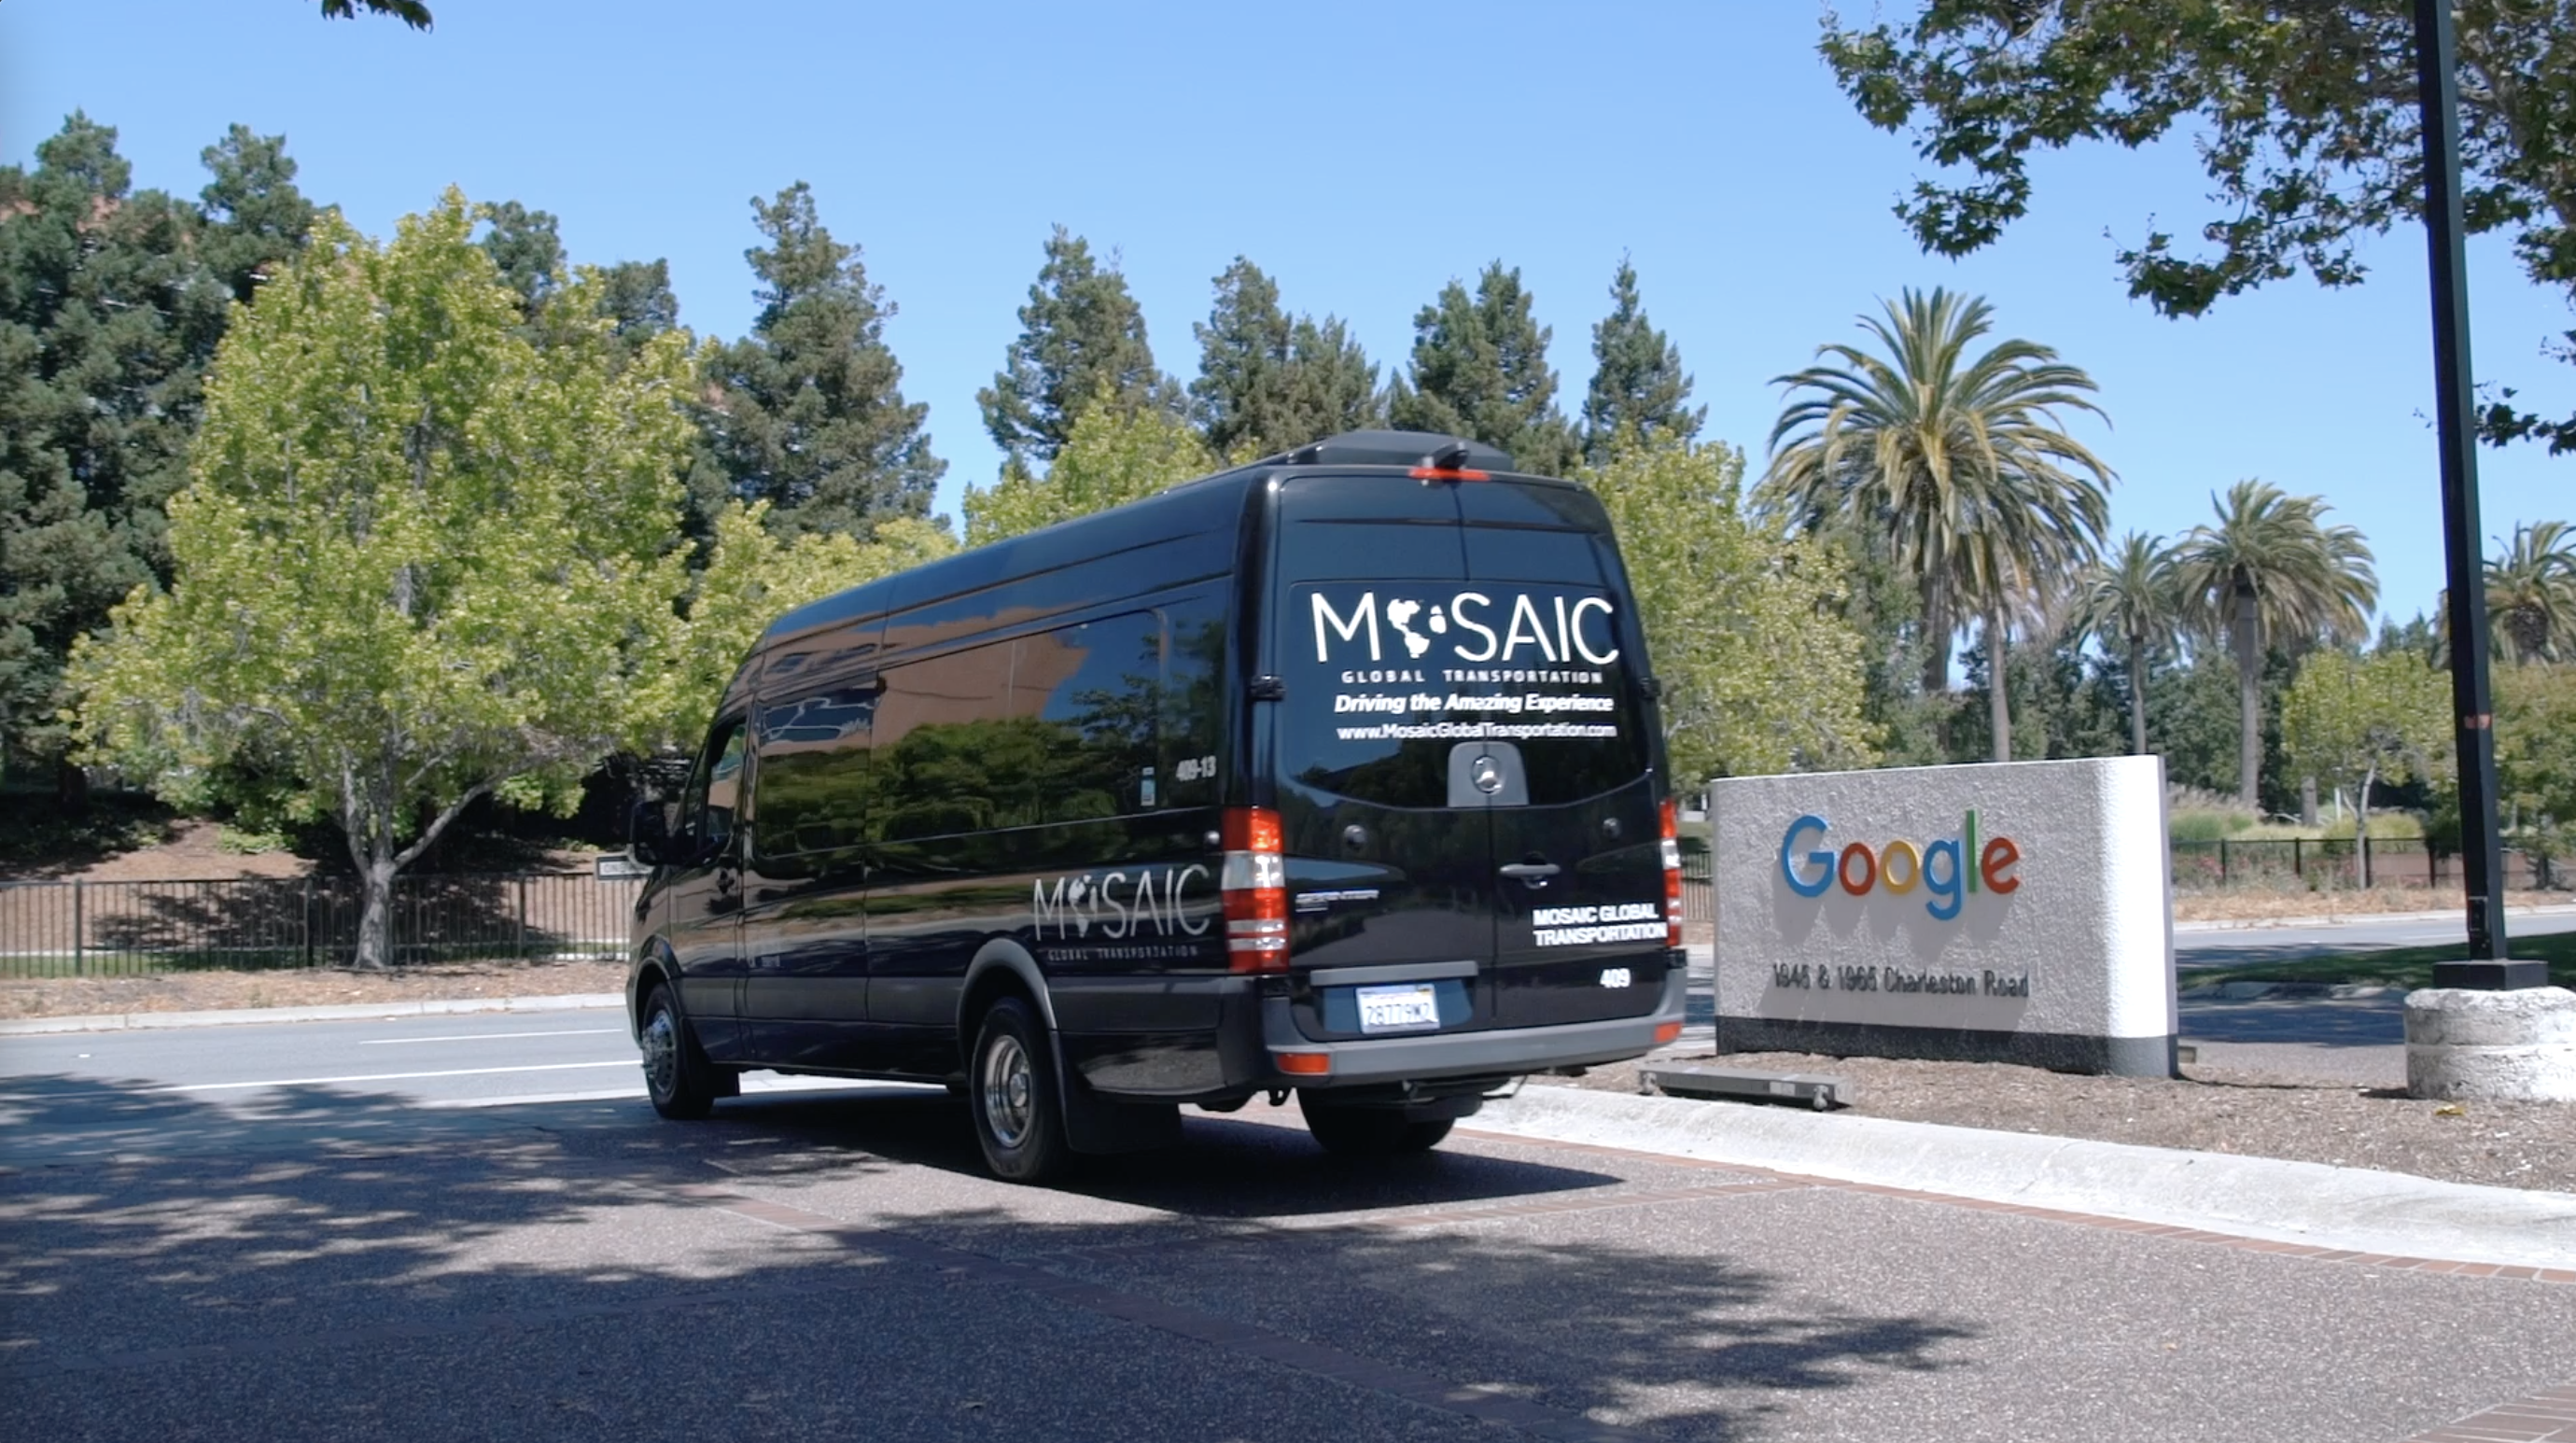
(1011, 1093)
(1347, 1131)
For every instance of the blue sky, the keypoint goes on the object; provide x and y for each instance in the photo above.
(1363, 154)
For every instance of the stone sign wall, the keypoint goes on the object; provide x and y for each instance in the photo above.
(2017, 912)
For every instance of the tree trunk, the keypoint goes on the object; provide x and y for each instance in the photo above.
(375, 918)
(1998, 684)
(2249, 701)
(71, 786)
(1936, 645)
(2137, 700)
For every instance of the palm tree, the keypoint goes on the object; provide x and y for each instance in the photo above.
(2271, 573)
(1961, 462)
(2531, 594)
(2127, 600)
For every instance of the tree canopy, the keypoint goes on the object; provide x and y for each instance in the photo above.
(1638, 383)
(2305, 116)
(1269, 384)
(1082, 339)
(2355, 721)
(421, 559)
(807, 412)
(112, 301)
(1479, 370)
(1760, 673)
(1115, 454)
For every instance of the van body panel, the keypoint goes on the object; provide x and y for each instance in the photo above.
(1030, 745)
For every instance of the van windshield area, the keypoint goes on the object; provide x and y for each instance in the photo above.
(1386, 678)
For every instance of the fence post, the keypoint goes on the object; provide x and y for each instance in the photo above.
(2299, 858)
(80, 931)
(2222, 861)
(520, 946)
(308, 920)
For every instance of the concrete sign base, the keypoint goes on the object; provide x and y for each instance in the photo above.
(2018, 912)
(2464, 1045)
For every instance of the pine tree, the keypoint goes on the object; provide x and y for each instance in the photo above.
(808, 411)
(526, 248)
(1082, 336)
(1268, 384)
(1637, 379)
(255, 218)
(1480, 370)
(108, 316)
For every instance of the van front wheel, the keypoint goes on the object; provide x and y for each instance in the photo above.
(677, 1075)
(1011, 1092)
(1347, 1131)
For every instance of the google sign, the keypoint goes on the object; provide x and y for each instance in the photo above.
(1940, 867)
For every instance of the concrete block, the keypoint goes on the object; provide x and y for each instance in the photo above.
(2491, 1046)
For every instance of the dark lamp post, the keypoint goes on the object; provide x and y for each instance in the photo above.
(2481, 847)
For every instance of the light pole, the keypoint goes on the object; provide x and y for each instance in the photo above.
(2481, 848)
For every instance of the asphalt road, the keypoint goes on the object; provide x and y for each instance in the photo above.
(445, 1228)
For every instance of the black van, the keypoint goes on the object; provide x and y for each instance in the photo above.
(1339, 773)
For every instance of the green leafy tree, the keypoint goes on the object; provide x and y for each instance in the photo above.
(1638, 383)
(2126, 600)
(807, 413)
(108, 314)
(1082, 339)
(2271, 573)
(1269, 384)
(2305, 117)
(1760, 674)
(410, 12)
(2535, 740)
(422, 559)
(2531, 594)
(752, 577)
(1479, 370)
(2355, 721)
(527, 248)
(1114, 455)
(1962, 461)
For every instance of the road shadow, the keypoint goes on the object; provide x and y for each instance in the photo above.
(192, 1250)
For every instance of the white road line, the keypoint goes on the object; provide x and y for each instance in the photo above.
(385, 1076)
(490, 1036)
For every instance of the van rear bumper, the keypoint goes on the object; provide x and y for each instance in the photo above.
(1512, 1050)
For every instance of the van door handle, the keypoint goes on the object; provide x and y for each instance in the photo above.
(1534, 873)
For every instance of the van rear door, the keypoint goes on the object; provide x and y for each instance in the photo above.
(1465, 765)
(1579, 907)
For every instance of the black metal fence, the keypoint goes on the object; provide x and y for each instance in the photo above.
(2301, 864)
(62, 929)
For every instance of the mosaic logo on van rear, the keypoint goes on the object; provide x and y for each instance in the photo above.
(1527, 628)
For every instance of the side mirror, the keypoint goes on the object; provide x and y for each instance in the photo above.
(648, 836)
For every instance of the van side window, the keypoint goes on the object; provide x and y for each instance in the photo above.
(947, 751)
(813, 778)
(1096, 689)
(1193, 702)
(715, 788)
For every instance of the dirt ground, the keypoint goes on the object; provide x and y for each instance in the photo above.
(2208, 1109)
(211, 990)
(2256, 905)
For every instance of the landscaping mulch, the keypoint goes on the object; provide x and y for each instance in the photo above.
(2208, 1109)
(214, 990)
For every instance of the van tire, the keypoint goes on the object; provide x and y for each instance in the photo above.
(1346, 1131)
(1012, 1097)
(677, 1076)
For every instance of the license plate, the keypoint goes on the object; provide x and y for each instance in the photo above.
(1399, 1007)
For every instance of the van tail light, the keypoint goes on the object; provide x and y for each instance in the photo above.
(1672, 874)
(1255, 887)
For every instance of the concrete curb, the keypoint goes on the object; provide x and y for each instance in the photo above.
(241, 1016)
(2355, 919)
(2297, 1202)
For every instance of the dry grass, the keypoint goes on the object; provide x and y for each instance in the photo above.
(2263, 904)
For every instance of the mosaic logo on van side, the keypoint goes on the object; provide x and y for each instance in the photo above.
(1122, 904)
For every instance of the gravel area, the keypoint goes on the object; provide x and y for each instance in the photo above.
(2209, 1109)
(211, 991)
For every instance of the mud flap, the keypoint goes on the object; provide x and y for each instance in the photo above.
(1096, 1124)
